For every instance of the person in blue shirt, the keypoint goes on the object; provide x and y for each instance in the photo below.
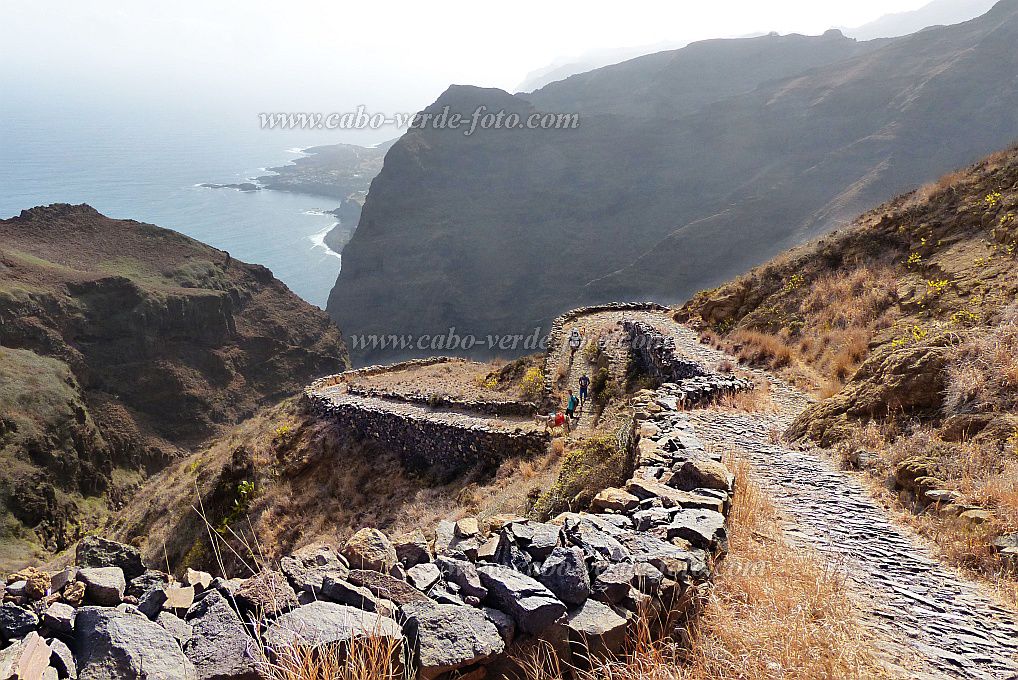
(584, 384)
(571, 405)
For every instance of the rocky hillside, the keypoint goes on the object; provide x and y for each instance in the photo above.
(121, 346)
(906, 326)
(687, 168)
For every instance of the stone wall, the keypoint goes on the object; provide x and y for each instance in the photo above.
(445, 443)
(655, 352)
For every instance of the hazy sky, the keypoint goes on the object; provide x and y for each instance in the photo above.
(216, 55)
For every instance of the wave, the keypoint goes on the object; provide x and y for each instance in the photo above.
(318, 241)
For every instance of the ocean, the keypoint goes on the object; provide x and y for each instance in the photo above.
(148, 166)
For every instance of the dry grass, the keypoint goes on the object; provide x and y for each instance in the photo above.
(756, 400)
(364, 658)
(983, 374)
(774, 612)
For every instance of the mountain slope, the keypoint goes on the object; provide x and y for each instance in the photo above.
(666, 188)
(122, 345)
(936, 13)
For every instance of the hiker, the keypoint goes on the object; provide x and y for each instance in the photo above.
(575, 340)
(571, 407)
(584, 385)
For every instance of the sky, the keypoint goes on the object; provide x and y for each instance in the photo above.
(233, 58)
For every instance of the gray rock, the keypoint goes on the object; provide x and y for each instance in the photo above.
(412, 548)
(139, 585)
(17, 589)
(532, 606)
(596, 543)
(386, 587)
(701, 528)
(445, 535)
(175, 626)
(463, 574)
(62, 659)
(667, 558)
(546, 537)
(151, 602)
(341, 591)
(94, 551)
(595, 630)
(104, 586)
(647, 578)
(565, 574)
(62, 578)
(326, 623)
(511, 554)
(308, 567)
(25, 659)
(503, 622)
(267, 593)
(16, 622)
(446, 637)
(59, 618)
(423, 576)
(612, 581)
(370, 549)
(114, 644)
(219, 646)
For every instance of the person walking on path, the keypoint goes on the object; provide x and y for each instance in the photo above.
(584, 386)
(575, 340)
(571, 406)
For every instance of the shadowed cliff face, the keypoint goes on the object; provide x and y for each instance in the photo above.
(687, 168)
(122, 345)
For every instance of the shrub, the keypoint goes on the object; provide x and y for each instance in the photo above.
(532, 385)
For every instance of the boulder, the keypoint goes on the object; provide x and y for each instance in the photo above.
(139, 585)
(104, 586)
(59, 618)
(533, 607)
(178, 597)
(151, 602)
(702, 528)
(26, 659)
(510, 554)
(342, 591)
(36, 582)
(412, 548)
(647, 578)
(597, 543)
(199, 580)
(463, 574)
(61, 578)
(74, 593)
(16, 622)
(175, 626)
(423, 576)
(115, 644)
(326, 623)
(701, 473)
(565, 574)
(543, 539)
(370, 549)
(612, 581)
(614, 500)
(503, 622)
(387, 587)
(62, 659)
(595, 631)
(467, 527)
(446, 637)
(673, 498)
(219, 647)
(267, 593)
(307, 568)
(94, 551)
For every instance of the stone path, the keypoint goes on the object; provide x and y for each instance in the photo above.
(929, 619)
(591, 326)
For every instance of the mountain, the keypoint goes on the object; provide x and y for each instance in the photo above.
(123, 345)
(687, 168)
(936, 13)
(562, 68)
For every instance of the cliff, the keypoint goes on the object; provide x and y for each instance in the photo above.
(124, 344)
(687, 168)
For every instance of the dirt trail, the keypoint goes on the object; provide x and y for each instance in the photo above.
(930, 619)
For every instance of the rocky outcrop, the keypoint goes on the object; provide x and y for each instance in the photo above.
(134, 344)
